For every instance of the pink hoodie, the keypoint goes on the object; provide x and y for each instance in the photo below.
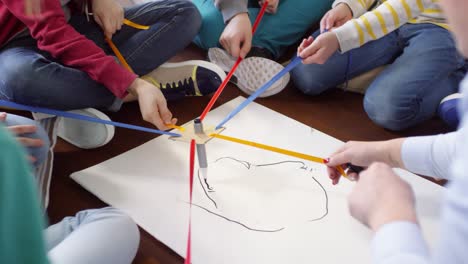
(56, 36)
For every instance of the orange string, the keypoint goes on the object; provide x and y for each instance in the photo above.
(116, 51)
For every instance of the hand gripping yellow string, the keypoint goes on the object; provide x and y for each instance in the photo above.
(116, 50)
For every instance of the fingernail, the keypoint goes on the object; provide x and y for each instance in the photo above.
(326, 161)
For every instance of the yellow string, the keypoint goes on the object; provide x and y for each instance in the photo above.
(342, 172)
(277, 150)
(116, 50)
(118, 54)
(135, 25)
(270, 148)
(176, 127)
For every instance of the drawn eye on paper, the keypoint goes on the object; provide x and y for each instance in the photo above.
(266, 197)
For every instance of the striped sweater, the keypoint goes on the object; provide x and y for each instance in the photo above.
(385, 18)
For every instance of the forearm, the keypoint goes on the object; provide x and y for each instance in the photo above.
(230, 8)
(429, 155)
(391, 152)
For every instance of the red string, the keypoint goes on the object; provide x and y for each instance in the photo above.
(259, 17)
(220, 89)
(234, 68)
(188, 256)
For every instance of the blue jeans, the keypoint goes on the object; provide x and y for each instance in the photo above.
(425, 66)
(30, 76)
(276, 32)
(98, 236)
(39, 153)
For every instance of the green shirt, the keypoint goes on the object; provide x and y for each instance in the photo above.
(21, 220)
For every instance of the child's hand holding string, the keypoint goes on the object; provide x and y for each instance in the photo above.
(153, 105)
(272, 7)
(109, 15)
(236, 38)
(319, 50)
(364, 154)
(336, 17)
(19, 131)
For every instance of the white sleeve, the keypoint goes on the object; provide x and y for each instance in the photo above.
(430, 155)
(399, 243)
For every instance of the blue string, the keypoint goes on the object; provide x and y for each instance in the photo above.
(82, 117)
(288, 68)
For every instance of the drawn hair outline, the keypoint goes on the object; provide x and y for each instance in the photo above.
(208, 189)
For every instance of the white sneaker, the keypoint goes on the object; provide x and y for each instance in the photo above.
(83, 134)
(221, 58)
(252, 73)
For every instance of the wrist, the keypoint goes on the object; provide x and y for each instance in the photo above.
(357, 9)
(392, 152)
(336, 43)
(346, 7)
(134, 87)
(240, 16)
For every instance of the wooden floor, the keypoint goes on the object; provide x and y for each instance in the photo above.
(337, 113)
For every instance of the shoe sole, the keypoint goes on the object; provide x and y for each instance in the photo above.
(221, 58)
(200, 63)
(451, 97)
(252, 73)
(66, 127)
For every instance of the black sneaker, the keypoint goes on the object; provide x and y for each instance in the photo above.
(188, 78)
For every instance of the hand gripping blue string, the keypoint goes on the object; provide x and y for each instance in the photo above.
(82, 117)
(288, 68)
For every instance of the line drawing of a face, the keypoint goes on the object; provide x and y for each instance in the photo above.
(261, 197)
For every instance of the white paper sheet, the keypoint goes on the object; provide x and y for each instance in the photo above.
(264, 213)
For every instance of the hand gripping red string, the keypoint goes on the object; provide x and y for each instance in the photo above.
(234, 68)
